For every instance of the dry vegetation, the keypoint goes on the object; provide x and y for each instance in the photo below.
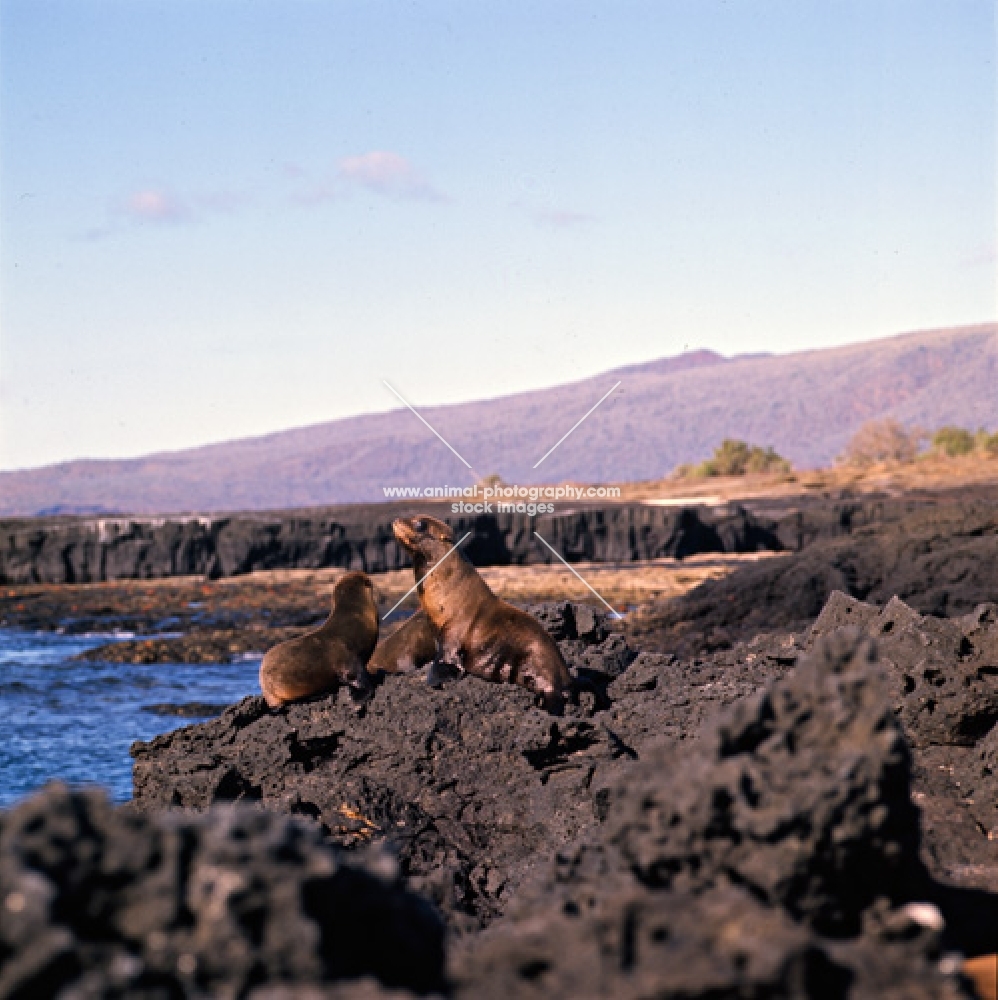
(884, 441)
(212, 622)
(736, 458)
(883, 456)
(622, 585)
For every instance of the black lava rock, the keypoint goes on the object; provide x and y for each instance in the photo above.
(744, 823)
(943, 672)
(103, 902)
(775, 855)
(939, 557)
(356, 537)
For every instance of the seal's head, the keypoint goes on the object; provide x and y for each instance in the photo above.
(354, 596)
(424, 536)
(355, 592)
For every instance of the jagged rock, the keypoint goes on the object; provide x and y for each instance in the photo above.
(799, 792)
(632, 944)
(740, 823)
(943, 676)
(591, 642)
(939, 556)
(469, 782)
(103, 902)
(944, 672)
(775, 855)
(978, 777)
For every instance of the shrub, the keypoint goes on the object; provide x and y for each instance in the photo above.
(956, 441)
(735, 458)
(986, 443)
(883, 441)
(953, 441)
(766, 460)
(730, 458)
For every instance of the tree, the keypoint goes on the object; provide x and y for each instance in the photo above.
(883, 441)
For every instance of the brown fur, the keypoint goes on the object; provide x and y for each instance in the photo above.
(477, 631)
(408, 647)
(983, 970)
(335, 653)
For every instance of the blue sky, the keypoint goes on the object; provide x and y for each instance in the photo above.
(225, 218)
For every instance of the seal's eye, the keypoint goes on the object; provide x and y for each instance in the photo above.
(419, 524)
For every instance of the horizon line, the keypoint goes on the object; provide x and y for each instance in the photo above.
(964, 328)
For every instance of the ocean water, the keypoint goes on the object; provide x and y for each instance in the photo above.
(76, 720)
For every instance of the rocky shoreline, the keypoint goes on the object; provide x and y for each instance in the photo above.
(359, 537)
(782, 784)
(803, 814)
(73, 550)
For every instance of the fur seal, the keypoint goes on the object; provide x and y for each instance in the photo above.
(408, 647)
(476, 631)
(335, 653)
(983, 970)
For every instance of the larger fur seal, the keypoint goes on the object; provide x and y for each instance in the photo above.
(477, 631)
(335, 653)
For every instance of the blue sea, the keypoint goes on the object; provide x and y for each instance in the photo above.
(76, 720)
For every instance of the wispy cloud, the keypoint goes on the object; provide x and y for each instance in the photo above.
(155, 205)
(380, 172)
(554, 218)
(388, 174)
(160, 206)
(559, 218)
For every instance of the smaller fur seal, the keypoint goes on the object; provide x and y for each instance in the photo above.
(335, 653)
(408, 647)
(475, 630)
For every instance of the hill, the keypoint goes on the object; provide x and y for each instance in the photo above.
(665, 412)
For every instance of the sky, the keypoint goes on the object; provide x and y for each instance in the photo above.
(220, 219)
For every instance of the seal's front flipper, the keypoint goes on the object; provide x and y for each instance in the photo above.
(552, 702)
(441, 671)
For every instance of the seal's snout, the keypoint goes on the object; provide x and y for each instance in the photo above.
(403, 533)
(413, 532)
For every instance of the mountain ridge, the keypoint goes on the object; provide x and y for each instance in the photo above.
(666, 411)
